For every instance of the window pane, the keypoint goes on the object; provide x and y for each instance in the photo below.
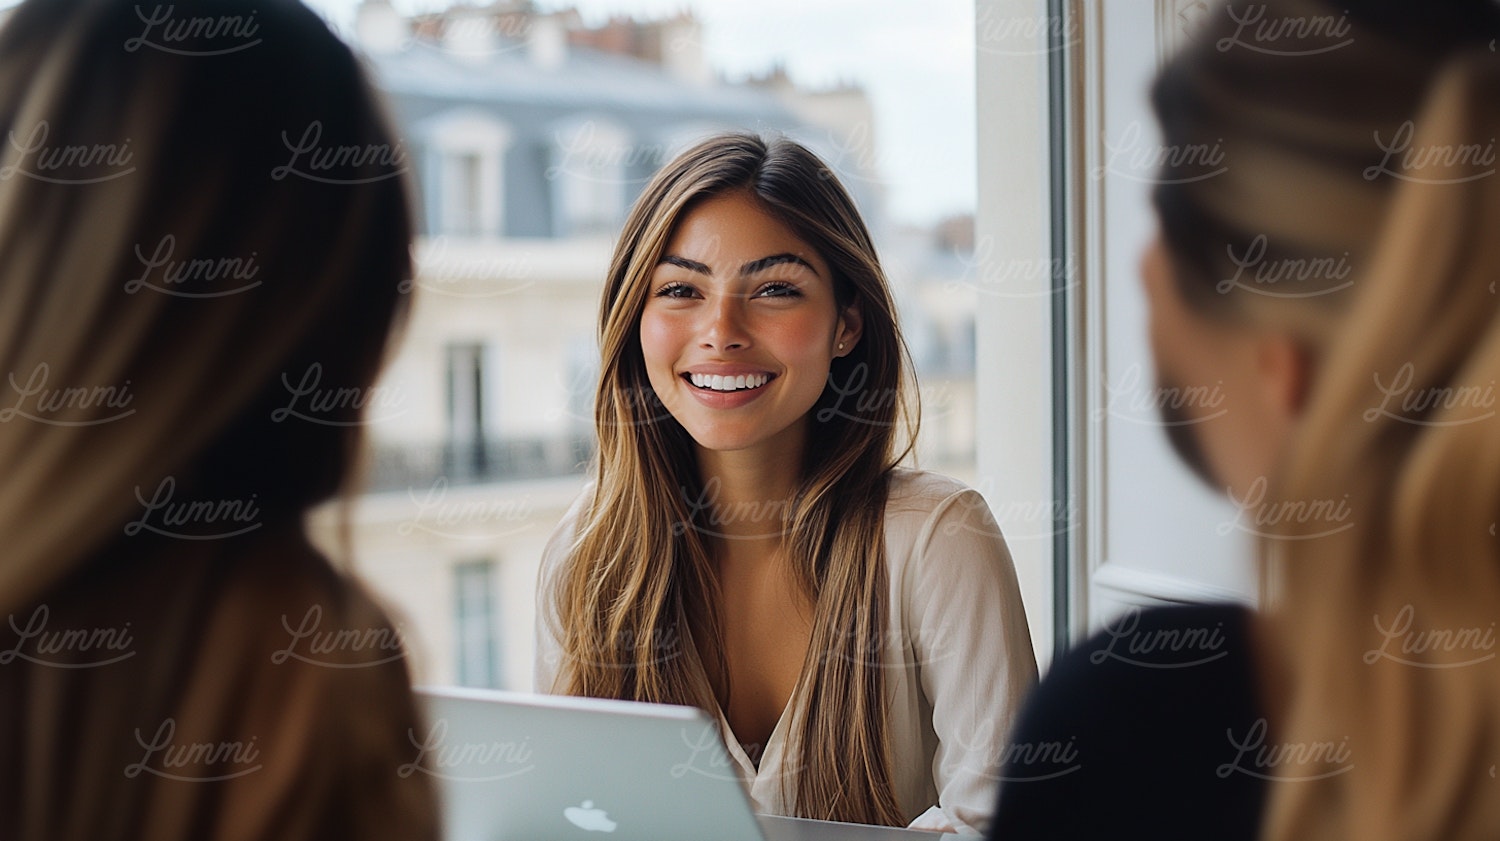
(475, 624)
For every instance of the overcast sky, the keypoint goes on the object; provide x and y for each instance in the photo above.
(916, 60)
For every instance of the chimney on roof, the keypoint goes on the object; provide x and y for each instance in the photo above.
(379, 28)
(547, 42)
(681, 42)
(470, 35)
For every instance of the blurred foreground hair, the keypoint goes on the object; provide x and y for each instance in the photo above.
(1308, 131)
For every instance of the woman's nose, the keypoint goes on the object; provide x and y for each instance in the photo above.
(724, 328)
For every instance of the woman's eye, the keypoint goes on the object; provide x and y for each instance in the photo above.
(675, 290)
(779, 290)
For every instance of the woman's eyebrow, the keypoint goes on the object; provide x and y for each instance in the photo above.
(774, 260)
(685, 263)
(748, 269)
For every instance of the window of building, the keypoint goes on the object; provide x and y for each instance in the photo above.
(460, 190)
(467, 454)
(476, 624)
(588, 173)
(464, 185)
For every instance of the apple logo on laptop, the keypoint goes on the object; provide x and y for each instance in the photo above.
(589, 818)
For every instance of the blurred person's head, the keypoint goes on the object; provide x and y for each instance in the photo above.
(837, 392)
(1336, 278)
(202, 213)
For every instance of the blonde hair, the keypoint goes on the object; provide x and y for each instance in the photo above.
(640, 569)
(1318, 147)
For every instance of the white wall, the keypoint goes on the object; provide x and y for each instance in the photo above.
(1160, 534)
(1013, 339)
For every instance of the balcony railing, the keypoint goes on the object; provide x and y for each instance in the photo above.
(401, 467)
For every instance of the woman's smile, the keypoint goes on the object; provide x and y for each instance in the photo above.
(727, 390)
(740, 326)
(727, 382)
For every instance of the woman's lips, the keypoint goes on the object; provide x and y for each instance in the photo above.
(727, 391)
(727, 382)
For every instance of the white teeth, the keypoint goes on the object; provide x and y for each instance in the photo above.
(718, 382)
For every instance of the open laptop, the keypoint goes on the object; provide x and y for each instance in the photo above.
(522, 767)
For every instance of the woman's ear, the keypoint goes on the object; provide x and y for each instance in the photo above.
(846, 334)
(1286, 369)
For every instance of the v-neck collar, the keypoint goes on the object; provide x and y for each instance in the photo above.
(772, 755)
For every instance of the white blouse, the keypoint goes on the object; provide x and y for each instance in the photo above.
(960, 663)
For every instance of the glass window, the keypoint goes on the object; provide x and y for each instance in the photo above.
(459, 210)
(466, 423)
(475, 624)
(464, 184)
(588, 174)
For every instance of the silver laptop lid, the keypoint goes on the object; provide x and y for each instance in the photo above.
(522, 767)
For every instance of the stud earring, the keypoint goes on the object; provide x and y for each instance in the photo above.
(841, 345)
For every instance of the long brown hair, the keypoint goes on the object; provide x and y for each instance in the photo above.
(183, 149)
(140, 134)
(640, 571)
(1365, 134)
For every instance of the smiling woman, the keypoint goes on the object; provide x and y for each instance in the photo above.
(745, 323)
(749, 544)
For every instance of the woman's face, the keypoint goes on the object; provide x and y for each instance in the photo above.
(740, 326)
(1258, 378)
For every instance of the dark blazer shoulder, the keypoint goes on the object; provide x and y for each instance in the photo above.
(1129, 731)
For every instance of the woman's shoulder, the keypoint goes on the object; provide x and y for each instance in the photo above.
(324, 673)
(1151, 666)
(1148, 650)
(1145, 711)
(923, 506)
(922, 492)
(911, 484)
(574, 513)
(566, 530)
(306, 629)
(291, 597)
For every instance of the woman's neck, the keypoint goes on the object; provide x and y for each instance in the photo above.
(747, 499)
